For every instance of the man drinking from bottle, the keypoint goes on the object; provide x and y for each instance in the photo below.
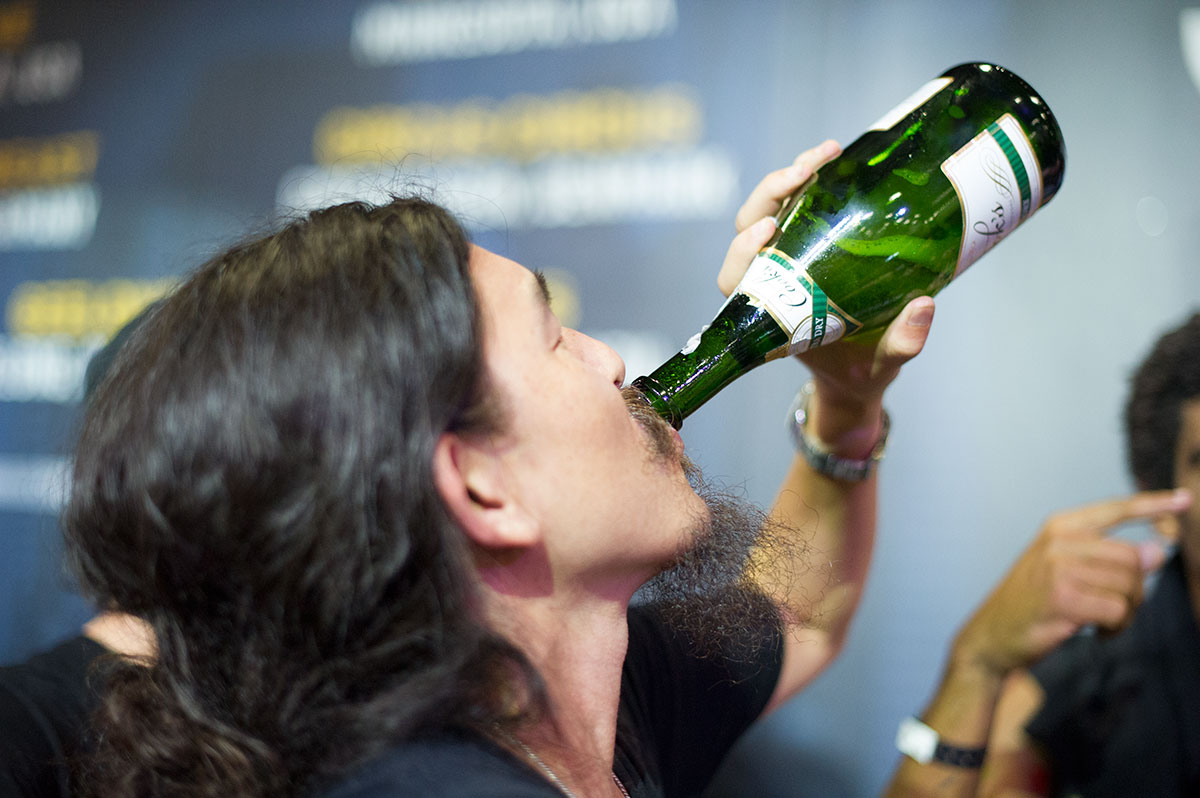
(387, 518)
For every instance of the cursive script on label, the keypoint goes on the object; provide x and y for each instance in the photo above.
(996, 224)
(786, 287)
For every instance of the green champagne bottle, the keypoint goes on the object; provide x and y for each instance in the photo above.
(905, 209)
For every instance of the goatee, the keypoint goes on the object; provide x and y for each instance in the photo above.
(712, 593)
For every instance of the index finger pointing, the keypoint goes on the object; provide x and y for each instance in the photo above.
(1144, 506)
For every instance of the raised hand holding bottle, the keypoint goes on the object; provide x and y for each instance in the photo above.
(905, 208)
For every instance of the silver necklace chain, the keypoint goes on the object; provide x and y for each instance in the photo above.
(550, 774)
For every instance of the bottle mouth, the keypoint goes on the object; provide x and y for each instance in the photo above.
(656, 396)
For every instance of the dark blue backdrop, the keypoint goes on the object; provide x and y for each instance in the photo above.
(137, 138)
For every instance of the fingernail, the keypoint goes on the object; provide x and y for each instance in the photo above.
(764, 224)
(1151, 556)
(921, 317)
(799, 172)
(830, 148)
(1183, 496)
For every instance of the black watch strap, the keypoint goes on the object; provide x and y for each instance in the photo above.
(959, 757)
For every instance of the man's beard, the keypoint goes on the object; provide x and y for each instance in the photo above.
(711, 592)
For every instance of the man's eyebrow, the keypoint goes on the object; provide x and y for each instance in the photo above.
(543, 285)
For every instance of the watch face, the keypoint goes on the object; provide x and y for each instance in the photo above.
(923, 744)
(916, 740)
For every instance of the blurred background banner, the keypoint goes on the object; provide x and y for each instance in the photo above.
(609, 142)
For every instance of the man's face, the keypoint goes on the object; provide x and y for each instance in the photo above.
(607, 505)
(1187, 475)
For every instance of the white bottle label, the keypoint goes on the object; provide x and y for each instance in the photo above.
(999, 185)
(800, 307)
(906, 106)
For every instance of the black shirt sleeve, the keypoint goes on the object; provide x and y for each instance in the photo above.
(44, 706)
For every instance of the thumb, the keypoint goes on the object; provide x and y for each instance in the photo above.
(905, 337)
(741, 251)
(1152, 555)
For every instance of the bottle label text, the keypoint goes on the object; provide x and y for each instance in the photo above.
(797, 304)
(999, 185)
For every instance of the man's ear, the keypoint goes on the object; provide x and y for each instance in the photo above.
(471, 478)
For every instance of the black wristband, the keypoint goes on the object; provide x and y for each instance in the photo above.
(924, 745)
(959, 757)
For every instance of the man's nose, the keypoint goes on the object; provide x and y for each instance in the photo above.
(602, 356)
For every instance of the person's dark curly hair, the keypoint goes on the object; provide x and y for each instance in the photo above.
(254, 479)
(1168, 377)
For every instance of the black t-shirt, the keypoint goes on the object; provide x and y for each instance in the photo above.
(1122, 714)
(44, 705)
(678, 717)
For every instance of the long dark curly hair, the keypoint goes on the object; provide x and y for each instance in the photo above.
(253, 478)
(1168, 377)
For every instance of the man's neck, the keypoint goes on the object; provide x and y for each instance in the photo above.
(122, 634)
(577, 644)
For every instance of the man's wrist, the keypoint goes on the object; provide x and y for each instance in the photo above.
(830, 461)
(975, 662)
(842, 424)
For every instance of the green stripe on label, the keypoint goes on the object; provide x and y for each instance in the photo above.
(781, 260)
(1018, 166)
(819, 313)
(822, 308)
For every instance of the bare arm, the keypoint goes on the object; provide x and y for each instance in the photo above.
(974, 708)
(1072, 575)
(1014, 768)
(819, 591)
(845, 419)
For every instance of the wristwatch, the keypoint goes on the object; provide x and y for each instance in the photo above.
(831, 465)
(916, 740)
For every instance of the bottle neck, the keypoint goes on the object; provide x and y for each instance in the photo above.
(742, 336)
(659, 398)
